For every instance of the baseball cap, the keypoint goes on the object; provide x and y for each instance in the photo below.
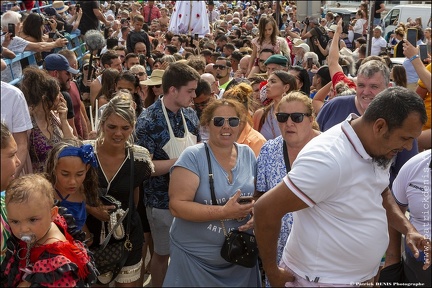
(324, 73)
(277, 59)
(58, 62)
(304, 46)
(49, 11)
(332, 28)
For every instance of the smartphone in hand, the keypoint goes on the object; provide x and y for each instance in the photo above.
(412, 36)
(11, 29)
(423, 52)
(245, 199)
(78, 7)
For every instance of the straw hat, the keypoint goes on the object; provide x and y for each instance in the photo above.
(59, 6)
(154, 79)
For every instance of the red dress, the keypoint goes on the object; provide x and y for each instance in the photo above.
(60, 264)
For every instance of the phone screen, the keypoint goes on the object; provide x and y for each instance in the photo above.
(11, 29)
(423, 52)
(309, 62)
(412, 36)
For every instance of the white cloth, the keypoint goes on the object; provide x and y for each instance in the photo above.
(14, 110)
(342, 235)
(377, 44)
(175, 146)
(411, 188)
(16, 45)
(189, 19)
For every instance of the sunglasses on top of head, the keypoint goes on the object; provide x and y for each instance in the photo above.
(295, 117)
(139, 74)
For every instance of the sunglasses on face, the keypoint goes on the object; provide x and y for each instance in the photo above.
(221, 67)
(157, 86)
(139, 74)
(220, 121)
(295, 117)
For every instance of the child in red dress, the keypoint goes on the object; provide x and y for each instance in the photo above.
(45, 251)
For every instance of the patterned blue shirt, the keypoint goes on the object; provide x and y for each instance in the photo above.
(152, 133)
(271, 170)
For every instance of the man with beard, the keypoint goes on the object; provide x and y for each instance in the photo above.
(204, 96)
(222, 68)
(58, 67)
(342, 213)
(373, 77)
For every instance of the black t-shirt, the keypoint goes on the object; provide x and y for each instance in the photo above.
(377, 7)
(89, 20)
(67, 97)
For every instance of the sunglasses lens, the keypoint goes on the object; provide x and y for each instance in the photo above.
(234, 121)
(282, 117)
(297, 117)
(86, 68)
(218, 121)
(157, 86)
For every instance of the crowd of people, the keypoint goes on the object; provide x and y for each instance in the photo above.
(191, 106)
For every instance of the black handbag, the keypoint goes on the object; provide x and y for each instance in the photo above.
(112, 257)
(239, 247)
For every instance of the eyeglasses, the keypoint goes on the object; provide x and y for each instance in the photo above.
(261, 60)
(221, 67)
(295, 117)
(220, 121)
(156, 86)
(85, 68)
(139, 74)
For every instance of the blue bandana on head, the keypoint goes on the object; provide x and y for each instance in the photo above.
(85, 152)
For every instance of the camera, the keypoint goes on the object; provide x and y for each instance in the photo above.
(45, 21)
(306, 21)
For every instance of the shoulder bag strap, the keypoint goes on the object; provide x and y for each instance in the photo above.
(286, 158)
(211, 180)
(127, 244)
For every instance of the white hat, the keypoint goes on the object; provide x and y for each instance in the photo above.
(304, 46)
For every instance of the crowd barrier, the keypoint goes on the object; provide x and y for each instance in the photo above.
(75, 44)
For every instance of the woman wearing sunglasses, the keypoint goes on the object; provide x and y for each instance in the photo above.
(154, 84)
(296, 121)
(196, 231)
(278, 84)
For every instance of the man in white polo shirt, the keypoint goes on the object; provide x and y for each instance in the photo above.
(338, 191)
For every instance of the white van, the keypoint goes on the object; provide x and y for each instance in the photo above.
(401, 13)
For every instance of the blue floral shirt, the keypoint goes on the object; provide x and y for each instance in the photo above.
(152, 133)
(271, 170)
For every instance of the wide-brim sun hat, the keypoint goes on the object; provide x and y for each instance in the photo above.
(154, 79)
(59, 6)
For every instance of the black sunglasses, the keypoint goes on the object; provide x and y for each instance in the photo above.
(295, 117)
(220, 121)
(157, 86)
(221, 67)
